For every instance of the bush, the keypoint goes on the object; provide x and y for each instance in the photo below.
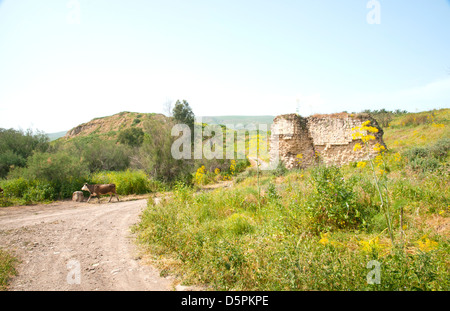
(17, 146)
(14, 187)
(100, 155)
(428, 158)
(416, 119)
(333, 203)
(39, 191)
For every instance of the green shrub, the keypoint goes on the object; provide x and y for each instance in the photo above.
(17, 146)
(15, 187)
(430, 158)
(333, 203)
(39, 191)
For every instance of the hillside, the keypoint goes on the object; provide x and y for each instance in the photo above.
(109, 126)
(417, 129)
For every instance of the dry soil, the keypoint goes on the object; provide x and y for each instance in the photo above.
(78, 246)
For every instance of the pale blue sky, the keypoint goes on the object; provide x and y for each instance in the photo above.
(64, 62)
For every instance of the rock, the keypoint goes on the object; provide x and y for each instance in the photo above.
(78, 196)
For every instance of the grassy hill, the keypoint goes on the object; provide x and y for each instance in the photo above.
(417, 129)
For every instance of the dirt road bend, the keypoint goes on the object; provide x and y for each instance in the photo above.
(77, 246)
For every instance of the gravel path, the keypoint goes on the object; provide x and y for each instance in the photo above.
(77, 246)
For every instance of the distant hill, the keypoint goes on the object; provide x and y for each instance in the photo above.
(236, 120)
(54, 136)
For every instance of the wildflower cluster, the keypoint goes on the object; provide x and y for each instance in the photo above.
(425, 244)
(233, 167)
(374, 245)
(326, 240)
(199, 177)
(362, 132)
(230, 173)
(299, 158)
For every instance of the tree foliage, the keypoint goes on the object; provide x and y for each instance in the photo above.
(132, 136)
(16, 146)
(156, 156)
(182, 113)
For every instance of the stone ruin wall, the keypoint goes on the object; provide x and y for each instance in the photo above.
(324, 138)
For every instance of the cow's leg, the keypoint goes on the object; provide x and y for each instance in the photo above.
(89, 198)
(98, 197)
(110, 197)
(117, 197)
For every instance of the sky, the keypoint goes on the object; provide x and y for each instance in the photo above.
(65, 62)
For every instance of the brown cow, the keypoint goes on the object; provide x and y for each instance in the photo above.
(97, 190)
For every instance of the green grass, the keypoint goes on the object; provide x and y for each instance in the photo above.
(7, 269)
(226, 240)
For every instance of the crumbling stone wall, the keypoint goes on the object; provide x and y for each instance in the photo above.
(302, 142)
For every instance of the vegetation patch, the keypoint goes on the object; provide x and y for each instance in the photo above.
(7, 268)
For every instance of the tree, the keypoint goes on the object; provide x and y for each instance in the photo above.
(156, 155)
(17, 146)
(182, 113)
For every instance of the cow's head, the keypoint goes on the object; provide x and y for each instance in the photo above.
(85, 188)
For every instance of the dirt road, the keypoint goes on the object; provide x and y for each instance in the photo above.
(77, 246)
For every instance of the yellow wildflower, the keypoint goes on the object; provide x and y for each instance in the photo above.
(361, 164)
(357, 147)
(426, 245)
(437, 125)
(366, 138)
(378, 147)
(324, 239)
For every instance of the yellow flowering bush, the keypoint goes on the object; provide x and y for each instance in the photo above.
(425, 244)
(200, 177)
(374, 245)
